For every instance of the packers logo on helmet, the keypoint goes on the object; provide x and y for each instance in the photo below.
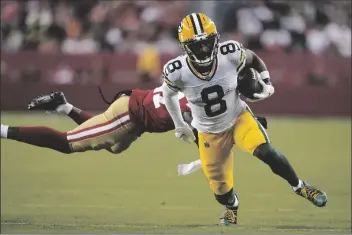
(199, 38)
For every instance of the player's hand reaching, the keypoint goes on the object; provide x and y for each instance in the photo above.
(184, 133)
(268, 90)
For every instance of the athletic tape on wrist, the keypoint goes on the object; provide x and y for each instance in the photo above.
(264, 74)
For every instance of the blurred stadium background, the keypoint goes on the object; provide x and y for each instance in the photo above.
(76, 46)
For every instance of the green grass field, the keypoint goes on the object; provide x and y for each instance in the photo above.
(43, 191)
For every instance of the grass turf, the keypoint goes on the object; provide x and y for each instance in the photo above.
(43, 191)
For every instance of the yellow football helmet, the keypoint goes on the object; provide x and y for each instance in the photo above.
(199, 38)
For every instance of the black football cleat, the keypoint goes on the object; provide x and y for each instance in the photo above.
(314, 195)
(48, 102)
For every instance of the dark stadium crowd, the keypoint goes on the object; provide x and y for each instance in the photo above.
(148, 30)
(91, 25)
(318, 27)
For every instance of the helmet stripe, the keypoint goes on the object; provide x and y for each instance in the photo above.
(200, 23)
(196, 23)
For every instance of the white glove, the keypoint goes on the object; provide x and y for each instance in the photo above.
(184, 133)
(268, 90)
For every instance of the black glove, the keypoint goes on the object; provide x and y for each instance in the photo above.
(263, 121)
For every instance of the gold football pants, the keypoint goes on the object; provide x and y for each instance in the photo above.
(215, 150)
(112, 130)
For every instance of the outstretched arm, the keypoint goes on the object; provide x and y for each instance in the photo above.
(183, 131)
(172, 105)
(187, 116)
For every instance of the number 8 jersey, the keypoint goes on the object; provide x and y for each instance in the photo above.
(213, 99)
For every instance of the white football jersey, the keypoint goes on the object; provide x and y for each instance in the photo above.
(213, 99)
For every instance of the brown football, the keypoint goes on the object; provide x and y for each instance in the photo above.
(248, 82)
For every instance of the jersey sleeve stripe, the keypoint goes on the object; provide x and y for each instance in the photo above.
(168, 82)
(242, 60)
(173, 88)
(171, 85)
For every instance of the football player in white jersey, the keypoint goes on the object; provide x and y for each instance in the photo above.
(207, 75)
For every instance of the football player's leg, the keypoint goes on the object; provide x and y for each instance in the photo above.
(56, 101)
(251, 137)
(281, 166)
(217, 164)
(217, 161)
(70, 142)
(40, 136)
(79, 116)
(124, 144)
(46, 137)
(103, 131)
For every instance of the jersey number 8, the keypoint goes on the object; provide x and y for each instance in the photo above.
(229, 48)
(212, 101)
(173, 66)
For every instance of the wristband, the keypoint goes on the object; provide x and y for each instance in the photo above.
(264, 74)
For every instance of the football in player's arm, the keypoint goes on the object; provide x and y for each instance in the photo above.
(255, 62)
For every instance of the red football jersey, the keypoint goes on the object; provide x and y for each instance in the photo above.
(147, 109)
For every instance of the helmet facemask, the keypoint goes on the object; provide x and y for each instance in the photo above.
(202, 51)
